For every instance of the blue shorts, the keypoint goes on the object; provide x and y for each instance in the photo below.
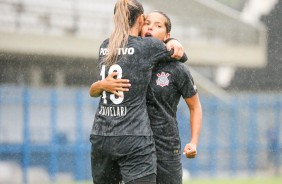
(118, 158)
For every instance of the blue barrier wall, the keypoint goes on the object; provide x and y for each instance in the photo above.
(50, 128)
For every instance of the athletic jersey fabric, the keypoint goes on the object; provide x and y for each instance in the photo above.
(169, 82)
(128, 115)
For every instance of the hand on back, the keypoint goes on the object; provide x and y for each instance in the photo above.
(113, 85)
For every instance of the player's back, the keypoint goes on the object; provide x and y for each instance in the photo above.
(127, 115)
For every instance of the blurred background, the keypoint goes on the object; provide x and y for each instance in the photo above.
(48, 59)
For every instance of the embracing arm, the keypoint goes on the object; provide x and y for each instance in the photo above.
(95, 89)
(177, 50)
(195, 108)
(109, 84)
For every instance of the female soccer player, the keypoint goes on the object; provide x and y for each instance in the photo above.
(121, 136)
(169, 82)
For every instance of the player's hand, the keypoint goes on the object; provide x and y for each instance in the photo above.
(113, 85)
(190, 150)
(177, 47)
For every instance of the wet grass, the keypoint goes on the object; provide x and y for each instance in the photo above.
(270, 180)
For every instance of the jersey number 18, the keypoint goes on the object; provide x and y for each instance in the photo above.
(113, 98)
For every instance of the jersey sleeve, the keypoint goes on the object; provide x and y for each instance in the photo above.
(185, 83)
(184, 58)
(103, 51)
(159, 53)
(103, 48)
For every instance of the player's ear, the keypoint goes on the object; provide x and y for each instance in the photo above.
(141, 19)
(167, 36)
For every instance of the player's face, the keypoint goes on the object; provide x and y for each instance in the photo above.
(154, 26)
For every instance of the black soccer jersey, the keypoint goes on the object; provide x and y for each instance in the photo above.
(169, 82)
(128, 115)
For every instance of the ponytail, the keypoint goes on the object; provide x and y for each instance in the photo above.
(125, 16)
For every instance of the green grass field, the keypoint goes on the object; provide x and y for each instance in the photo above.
(271, 180)
(274, 180)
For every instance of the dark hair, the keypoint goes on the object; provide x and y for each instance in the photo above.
(167, 23)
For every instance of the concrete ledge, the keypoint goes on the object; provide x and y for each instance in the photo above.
(69, 46)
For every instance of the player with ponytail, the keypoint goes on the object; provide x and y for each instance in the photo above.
(126, 13)
(123, 147)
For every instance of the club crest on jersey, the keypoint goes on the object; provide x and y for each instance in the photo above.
(163, 79)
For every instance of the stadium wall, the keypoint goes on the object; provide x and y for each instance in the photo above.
(49, 128)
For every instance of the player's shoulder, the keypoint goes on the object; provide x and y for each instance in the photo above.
(150, 40)
(105, 42)
(178, 64)
(174, 67)
(180, 68)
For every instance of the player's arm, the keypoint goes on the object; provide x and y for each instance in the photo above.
(195, 109)
(109, 84)
(177, 48)
(160, 53)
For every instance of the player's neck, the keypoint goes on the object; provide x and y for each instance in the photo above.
(134, 31)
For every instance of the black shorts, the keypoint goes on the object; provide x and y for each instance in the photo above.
(124, 158)
(169, 171)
